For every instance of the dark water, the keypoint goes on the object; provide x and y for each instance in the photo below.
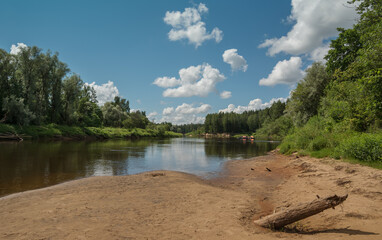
(30, 165)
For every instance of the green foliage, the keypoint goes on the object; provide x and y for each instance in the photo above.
(59, 131)
(6, 128)
(344, 50)
(89, 113)
(248, 121)
(136, 119)
(305, 99)
(16, 111)
(315, 135)
(364, 147)
(113, 115)
(72, 92)
(275, 130)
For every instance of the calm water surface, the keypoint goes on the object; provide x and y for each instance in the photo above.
(30, 165)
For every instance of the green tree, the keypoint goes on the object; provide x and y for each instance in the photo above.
(16, 112)
(136, 119)
(305, 99)
(71, 94)
(113, 115)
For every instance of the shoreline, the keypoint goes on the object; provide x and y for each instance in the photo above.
(166, 204)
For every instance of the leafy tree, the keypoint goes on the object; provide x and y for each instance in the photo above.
(122, 103)
(71, 94)
(136, 119)
(16, 111)
(305, 99)
(89, 113)
(113, 114)
(8, 84)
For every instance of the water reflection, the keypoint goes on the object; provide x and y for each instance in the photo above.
(30, 165)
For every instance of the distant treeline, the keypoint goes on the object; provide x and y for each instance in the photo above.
(37, 88)
(248, 121)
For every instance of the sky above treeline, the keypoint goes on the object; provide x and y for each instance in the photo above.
(180, 60)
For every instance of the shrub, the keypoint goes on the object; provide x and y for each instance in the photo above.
(364, 147)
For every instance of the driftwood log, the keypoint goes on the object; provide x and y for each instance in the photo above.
(294, 214)
(10, 137)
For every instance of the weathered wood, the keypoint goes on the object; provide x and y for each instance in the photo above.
(301, 211)
(10, 137)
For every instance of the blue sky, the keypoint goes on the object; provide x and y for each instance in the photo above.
(125, 47)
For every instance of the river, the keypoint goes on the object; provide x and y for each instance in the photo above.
(36, 164)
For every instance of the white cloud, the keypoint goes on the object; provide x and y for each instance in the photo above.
(189, 25)
(319, 53)
(225, 94)
(166, 82)
(168, 111)
(189, 109)
(236, 61)
(285, 72)
(194, 81)
(105, 92)
(16, 49)
(185, 113)
(152, 116)
(315, 21)
(253, 105)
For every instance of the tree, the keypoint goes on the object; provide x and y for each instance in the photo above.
(71, 95)
(136, 119)
(305, 99)
(89, 113)
(122, 103)
(8, 84)
(113, 115)
(16, 112)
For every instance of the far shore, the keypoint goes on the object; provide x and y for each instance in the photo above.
(174, 205)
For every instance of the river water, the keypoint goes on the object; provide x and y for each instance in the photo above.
(36, 164)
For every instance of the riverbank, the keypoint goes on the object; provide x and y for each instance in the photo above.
(173, 205)
(61, 132)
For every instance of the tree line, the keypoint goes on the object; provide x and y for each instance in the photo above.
(248, 121)
(37, 88)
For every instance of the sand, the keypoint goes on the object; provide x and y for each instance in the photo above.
(174, 205)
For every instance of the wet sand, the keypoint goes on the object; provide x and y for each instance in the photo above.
(173, 205)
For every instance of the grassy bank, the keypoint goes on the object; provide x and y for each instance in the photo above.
(319, 138)
(61, 131)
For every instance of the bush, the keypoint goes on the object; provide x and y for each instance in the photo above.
(364, 147)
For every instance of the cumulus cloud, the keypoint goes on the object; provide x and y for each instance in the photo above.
(285, 72)
(319, 53)
(189, 109)
(225, 94)
(185, 113)
(236, 61)
(189, 25)
(168, 111)
(253, 105)
(15, 49)
(315, 21)
(194, 81)
(166, 82)
(151, 116)
(105, 92)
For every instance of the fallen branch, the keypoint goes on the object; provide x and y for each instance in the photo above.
(294, 214)
(10, 137)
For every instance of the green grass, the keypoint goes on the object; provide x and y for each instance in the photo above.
(57, 131)
(324, 139)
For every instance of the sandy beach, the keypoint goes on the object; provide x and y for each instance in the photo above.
(174, 205)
